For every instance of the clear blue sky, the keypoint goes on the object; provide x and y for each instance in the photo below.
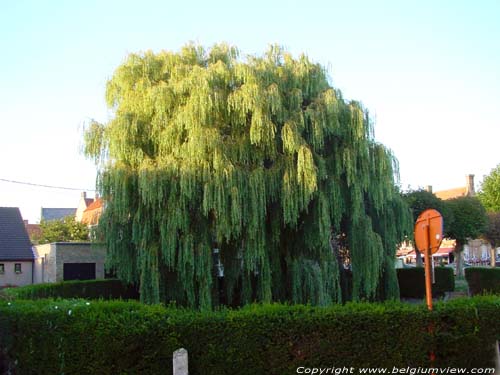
(428, 71)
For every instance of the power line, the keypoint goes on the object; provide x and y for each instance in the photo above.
(44, 186)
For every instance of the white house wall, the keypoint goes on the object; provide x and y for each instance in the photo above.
(11, 278)
(45, 264)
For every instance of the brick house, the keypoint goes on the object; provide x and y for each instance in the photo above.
(465, 191)
(83, 205)
(93, 212)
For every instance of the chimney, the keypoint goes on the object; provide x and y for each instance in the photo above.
(469, 185)
(428, 188)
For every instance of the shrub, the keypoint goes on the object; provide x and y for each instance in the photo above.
(88, 289)
(412, 282)
(75, 336)
(483, 280)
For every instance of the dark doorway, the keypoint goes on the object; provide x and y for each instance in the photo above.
(79, 271)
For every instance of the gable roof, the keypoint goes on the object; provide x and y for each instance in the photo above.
(14, 241)
(94, 205)
(57, 213)
(93, 212)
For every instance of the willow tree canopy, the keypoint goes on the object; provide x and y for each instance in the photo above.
(257, 156)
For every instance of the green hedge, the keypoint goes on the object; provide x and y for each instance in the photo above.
(88, 289)
(81, 337)
(483, 280)
(412, 282)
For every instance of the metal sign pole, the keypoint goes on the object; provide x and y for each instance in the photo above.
(428, 269)
(428, 281)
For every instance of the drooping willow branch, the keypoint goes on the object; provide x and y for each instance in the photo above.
(259, 155)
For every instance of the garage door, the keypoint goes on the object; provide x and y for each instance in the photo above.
(79, 271)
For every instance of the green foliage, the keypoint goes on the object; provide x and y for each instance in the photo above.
(469, 218)
(88, 289)
(489, 194)
(492, 233)
(421, 200)
(412, 282)
(483, 280)
(259, 157)
(78, 337)
(64, 230)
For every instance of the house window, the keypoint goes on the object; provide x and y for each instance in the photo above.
(2, 268)
(17, 268)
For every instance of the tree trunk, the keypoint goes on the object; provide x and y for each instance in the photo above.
(493, 256)
(458, 259)
(418, 258)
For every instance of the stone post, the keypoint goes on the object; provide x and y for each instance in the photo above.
(497, 359)
(180, 362)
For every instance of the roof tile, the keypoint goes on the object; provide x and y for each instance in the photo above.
(14, 241)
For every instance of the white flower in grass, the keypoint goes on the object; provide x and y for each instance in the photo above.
(87, 303)
(56, 307)
(69, 312)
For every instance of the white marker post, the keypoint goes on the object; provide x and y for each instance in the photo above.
(180, 362)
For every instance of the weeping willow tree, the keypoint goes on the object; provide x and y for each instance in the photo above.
(258, 157)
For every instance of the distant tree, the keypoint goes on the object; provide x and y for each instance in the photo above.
(469, 221)
(489, 194)
(64, 230)
(421, 200)
(492, 233)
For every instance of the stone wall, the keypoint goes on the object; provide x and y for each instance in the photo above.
(81, 252)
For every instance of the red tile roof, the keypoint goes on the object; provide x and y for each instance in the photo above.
(93, 212)
(94, 205)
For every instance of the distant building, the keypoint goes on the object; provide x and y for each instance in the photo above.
(34, 230)
(62, 261)
(93, 212)
(49, 214)
(82, 206)
(16, 252)
(444, 254)
(476, 252)
(465, 191)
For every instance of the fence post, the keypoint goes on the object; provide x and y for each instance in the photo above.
(180, 362)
